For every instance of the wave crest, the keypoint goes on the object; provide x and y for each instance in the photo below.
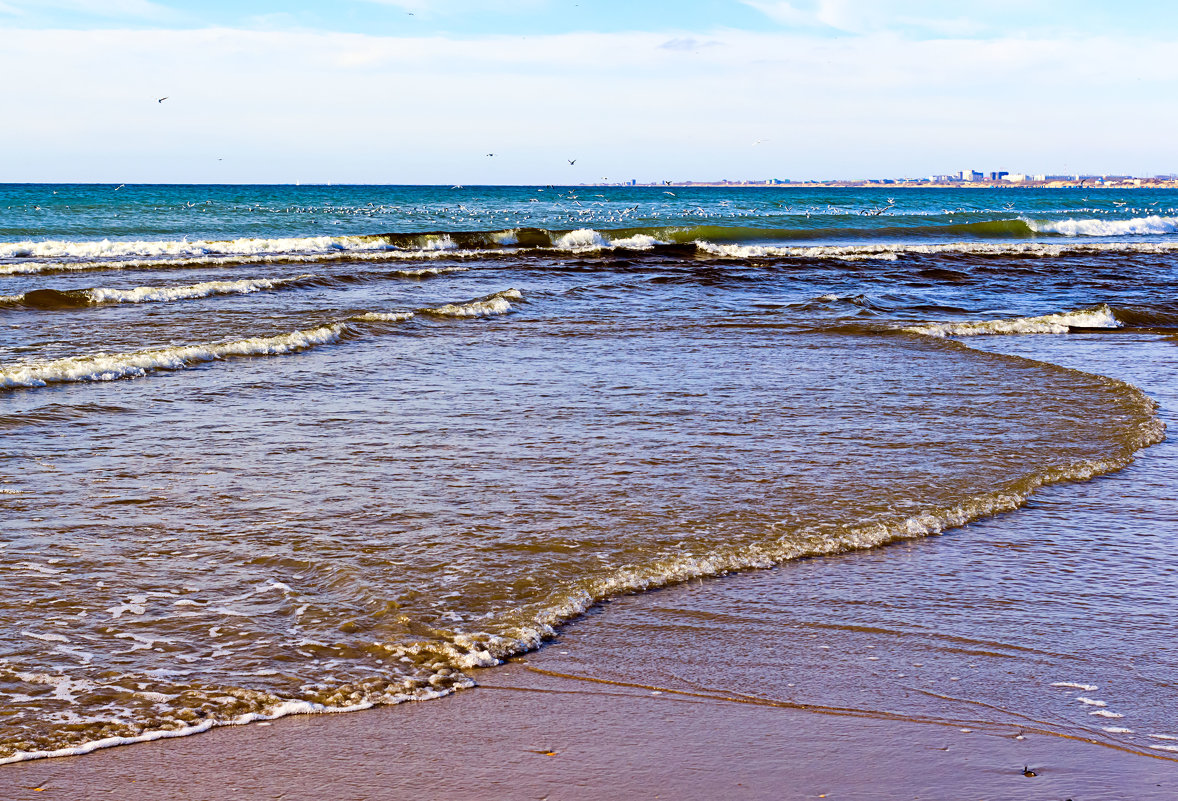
(114, 366)
(1138, 226)
(1100, 317)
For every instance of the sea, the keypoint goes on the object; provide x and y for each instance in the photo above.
(272, 450)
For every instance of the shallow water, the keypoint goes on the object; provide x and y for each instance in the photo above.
(1056, 619)
(249, 478)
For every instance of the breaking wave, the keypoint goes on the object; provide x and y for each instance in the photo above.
(114, 366)
(1139, 226)
(1100, 317)
(24, 258)
(69, 299)
(891, 252)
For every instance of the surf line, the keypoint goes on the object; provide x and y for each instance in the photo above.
(114, 366)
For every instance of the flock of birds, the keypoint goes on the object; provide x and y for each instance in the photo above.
(568, 207)
(581, 209)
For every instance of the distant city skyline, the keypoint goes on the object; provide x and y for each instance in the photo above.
(421, 91)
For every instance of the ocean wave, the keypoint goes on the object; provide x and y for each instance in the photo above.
(1138, 226)
(586, 239)
(497, 303)
(59, 299)
(114, 366)
(23, 258)
(472, 650)
(118, 249)
(1100, 317)
(49, 267)
(890, 252)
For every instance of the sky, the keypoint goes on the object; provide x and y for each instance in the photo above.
(571, 91)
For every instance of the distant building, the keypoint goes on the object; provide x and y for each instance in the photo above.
(971, 175)
(1014, 177)
(998, 176)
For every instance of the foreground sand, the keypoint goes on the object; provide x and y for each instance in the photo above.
(526, 733)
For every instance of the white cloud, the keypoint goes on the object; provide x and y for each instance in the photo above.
(280, 106)
(927, 17)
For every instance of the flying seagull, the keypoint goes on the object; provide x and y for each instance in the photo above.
(489, 155)
(162, 99)
(572, 161)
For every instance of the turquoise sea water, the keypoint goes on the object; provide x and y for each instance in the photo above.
(270, 450)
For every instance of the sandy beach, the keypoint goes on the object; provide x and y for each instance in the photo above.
(528, 733)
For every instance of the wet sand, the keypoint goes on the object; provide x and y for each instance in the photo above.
(529, 735)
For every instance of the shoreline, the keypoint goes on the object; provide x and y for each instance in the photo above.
(531, 730)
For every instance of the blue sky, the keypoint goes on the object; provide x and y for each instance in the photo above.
(408, 91)
(919, 18)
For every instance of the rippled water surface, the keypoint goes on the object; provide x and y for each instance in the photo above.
(277, 449)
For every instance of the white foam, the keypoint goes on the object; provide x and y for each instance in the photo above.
(890, 252)
(1085, 687)
(1100, 317)
(1090, 701)
(135, 605)
(384, 317)
(424, 271)
(1163, 737)
(1138, 226)
(636, 242)
(187, 262)
(442, 242)
(37, 568)
(1164, 747)
(581, 239)
(63, 686)
(277, 710)
(146, 294)
(868, 257)
(114, 249)
(1117, 730)
(45, 637)
(112, 366)
(1104, 713)
(492, 304)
